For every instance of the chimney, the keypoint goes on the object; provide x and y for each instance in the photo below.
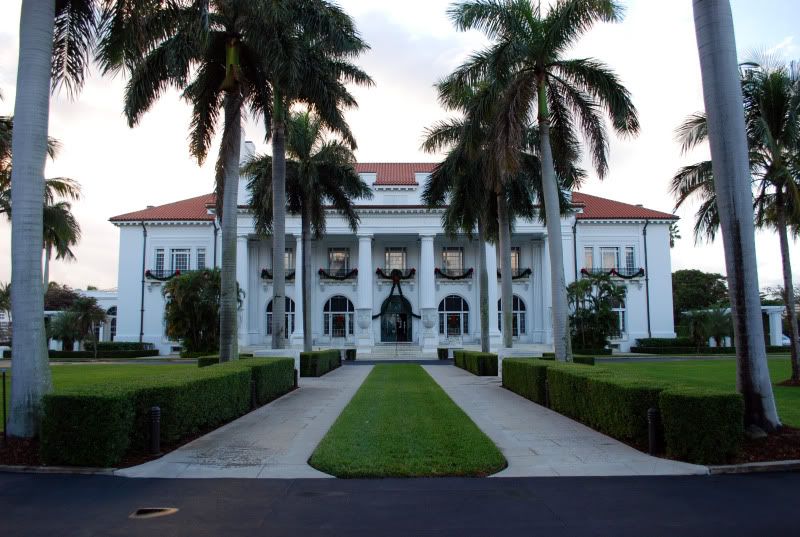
(151, 206)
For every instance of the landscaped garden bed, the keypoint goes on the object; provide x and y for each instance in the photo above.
(401, 423)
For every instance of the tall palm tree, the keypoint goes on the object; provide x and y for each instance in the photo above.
(88, 315)
(61, 232)
(319, 173)
(462, 178)
(569, 97)
(722, 92)
(771, 93)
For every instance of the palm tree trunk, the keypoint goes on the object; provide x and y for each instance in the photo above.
(48, 254)
(722, 92)
(483, 282)
(30, 379)
(278, 224)
(306, 240)
(506, 295)
(561, 338)
(788, 286)
(229, 295)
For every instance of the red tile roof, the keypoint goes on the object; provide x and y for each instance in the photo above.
(395, 173)
(596, 208)
(190, 209)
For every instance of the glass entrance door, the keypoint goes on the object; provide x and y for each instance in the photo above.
(395, 328)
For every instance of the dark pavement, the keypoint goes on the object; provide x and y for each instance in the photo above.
(63, 505)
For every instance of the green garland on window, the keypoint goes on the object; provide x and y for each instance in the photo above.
(327, 275)
(463, 276)
(266, 274)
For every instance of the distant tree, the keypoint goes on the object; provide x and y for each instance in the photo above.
(694, 290)
(88, 316)
(5, 297)
(91, 288)
(674, 234)
(59, 297)
(64, 328)
(593, 321)
(192, 310)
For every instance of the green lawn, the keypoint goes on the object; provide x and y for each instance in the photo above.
(401, 423)
(71, 375)
(719, 374)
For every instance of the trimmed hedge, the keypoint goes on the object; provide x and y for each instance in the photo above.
(317, 363)
(120, 346)
(598, 352)
(703, 350)
(97, 425)
(205, 361)
(101, 354)
(665, 342)
(701, 425)
(526, 377)
(482, 364)
(442, 353)
(583, 360)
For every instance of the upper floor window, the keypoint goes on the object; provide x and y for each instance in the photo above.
(201, 259)
(159, 265)
(288, 259)
(453, 258)
(395, 258)
(630, 259)
(338, 259)
(180, 259)
(515, 258)
(588, 257)
(609, 258)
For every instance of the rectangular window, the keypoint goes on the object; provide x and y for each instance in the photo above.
(288, 259)
(619, 310)
(630, 260)
(180, 259)
(338, 260)
(159, 266)
(395, 259)
(588, 257)
(515, 258)
(609, 257)
(201, 259)
(453, 260)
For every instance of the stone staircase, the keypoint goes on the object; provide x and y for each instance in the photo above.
(400, 351)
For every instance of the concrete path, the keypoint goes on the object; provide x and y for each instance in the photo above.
(274, 441)
(539, 442)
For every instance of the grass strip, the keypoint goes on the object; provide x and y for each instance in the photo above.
(401, 423)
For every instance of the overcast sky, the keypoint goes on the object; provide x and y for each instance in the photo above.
(413, 45)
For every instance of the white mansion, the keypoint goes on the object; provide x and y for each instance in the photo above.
(399, 279)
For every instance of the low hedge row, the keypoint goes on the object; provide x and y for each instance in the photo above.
(317, 363)
(120, 346)
(665, 342)
(587, 352)
(97, 425)
(205, 361)
(578, 359)
(700, 426)
(703, 350)
(483, 364)
(101, 354)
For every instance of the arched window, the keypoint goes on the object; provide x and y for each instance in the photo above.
(518, 316)
(112, 321)
(337, 317)
(453, 316)
(289, 317)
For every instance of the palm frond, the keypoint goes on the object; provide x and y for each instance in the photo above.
(73, 39)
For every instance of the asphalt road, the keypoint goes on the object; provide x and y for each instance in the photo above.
(63, 505)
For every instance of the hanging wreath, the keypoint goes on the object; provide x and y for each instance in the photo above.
(463, 276)
(327, 275)
(149, 274)
(266, 274)
(396, 274)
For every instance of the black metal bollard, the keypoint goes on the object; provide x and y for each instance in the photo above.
(253, 395)
(5, 421)
(654, 431)
(295, 378)
(155, 430)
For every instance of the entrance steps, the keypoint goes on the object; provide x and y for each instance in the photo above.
(390, 352)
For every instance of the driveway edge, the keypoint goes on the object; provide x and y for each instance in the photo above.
(756, 467)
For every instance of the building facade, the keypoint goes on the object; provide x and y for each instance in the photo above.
(400, 278)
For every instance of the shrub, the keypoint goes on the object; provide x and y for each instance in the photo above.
(701, 425)
(458, 358)
(483, 364)
(526, 377)
(273, 377)
(104, 355)
(665, 342)
(703, 350)
(550, 356)
(350, 355)
(443, 353)
(205, 361)
(583, 360)
(589, 352)
(317, 363)
(103, 346)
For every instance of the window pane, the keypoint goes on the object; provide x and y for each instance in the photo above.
(288, 259)
(630, 262)
(201, 258)
(395, 258)
(338, 259)
(588, 257)
(453, 259)
(159, 261)
(180, 259)
(609, 257)
(515, 253)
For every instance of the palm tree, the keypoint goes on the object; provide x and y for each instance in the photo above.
(462, 178)
(61, 232)
(771, 100)
(716, 44)
(88, 316)
(569, 96)
(319, 173)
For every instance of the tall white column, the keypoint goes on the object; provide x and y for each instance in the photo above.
(364, 334)
(491, 269)
(427, 295)
(296, 337)
(547, 294)
(243, 277)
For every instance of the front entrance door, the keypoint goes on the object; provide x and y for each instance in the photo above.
(396, 320)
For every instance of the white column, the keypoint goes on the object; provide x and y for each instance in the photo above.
(364, 336)
(547, 294)
(427, 295)
(775, 327)
(242, 276)
(491, 269)
(296, 337)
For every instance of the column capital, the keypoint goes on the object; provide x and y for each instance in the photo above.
(427, 236)
(364, 236)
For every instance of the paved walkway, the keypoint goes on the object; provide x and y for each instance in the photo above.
(274, 441)
(539, 442)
